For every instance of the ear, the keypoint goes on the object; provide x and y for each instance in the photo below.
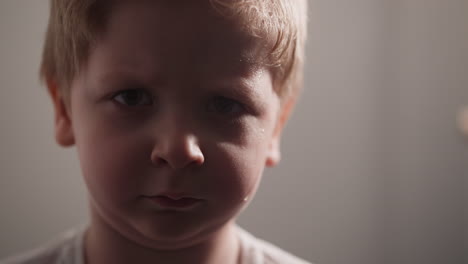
(274, 153)
(63, 126)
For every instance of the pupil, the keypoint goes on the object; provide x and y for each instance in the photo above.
(224, 105)
(132, 97)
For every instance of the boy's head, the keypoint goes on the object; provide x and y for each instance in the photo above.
(175, 106)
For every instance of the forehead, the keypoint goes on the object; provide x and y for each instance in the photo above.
(176, 37)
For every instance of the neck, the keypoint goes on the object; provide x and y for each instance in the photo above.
(103, 244)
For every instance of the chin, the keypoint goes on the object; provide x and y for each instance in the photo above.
(181, 236)
(169, 237)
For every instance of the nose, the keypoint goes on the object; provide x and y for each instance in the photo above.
(177, 149)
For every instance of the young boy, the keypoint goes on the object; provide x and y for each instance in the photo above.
(175, 108)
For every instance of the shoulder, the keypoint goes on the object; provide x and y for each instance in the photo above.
(64, 249)
(258, 251)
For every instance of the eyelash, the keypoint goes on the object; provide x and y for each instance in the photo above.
(140, 91)
(217, 104)
(220, 103)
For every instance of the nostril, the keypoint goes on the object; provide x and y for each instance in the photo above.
(158, 161)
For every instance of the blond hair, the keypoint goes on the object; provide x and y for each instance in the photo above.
(74, 25)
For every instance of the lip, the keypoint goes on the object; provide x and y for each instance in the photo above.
(174, 202)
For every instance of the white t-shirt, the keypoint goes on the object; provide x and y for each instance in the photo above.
(68, 249)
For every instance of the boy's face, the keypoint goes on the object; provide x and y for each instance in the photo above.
(171, 105)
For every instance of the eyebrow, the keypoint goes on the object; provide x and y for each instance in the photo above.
(132, 77)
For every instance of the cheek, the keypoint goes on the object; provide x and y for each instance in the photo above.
(236, 170)
(237, 165)
(111, 163)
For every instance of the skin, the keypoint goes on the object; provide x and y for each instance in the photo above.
(162, 107)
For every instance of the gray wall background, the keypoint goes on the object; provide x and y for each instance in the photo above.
(373, 170)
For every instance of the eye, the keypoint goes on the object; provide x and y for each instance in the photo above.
(225, 106)
(133, 97)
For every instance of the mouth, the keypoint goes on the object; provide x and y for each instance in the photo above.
(174, 202)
